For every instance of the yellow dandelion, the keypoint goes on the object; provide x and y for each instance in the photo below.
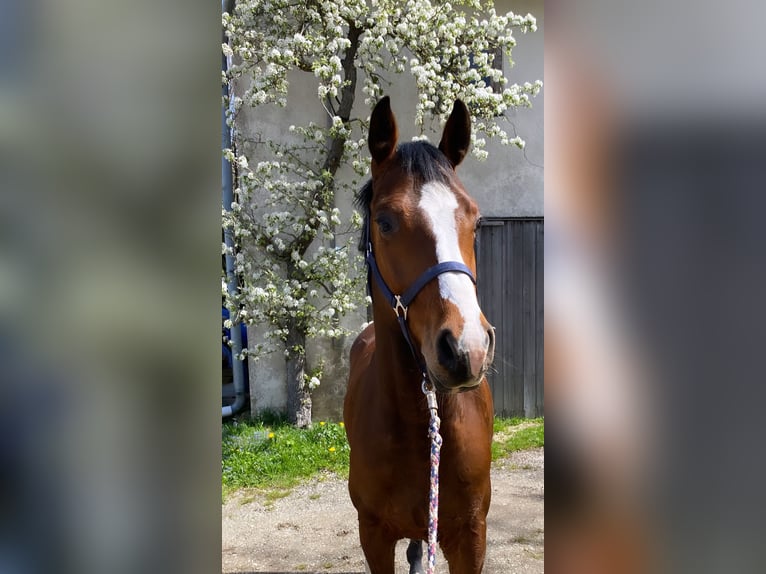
(341, 425)
(321, 424)
(332, 449)
(271, 435)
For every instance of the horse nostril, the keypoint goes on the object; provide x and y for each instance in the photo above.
(446, 349)
(491, 340)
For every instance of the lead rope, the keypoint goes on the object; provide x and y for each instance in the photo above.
(433, 493)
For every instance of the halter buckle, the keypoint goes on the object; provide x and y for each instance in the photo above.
(399, 305)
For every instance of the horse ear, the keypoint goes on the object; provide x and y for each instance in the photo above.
(383, 131)
(456, 138)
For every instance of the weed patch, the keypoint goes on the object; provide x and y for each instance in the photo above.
(279, 456)
(512, 435)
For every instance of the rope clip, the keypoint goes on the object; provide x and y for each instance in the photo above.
(430, 395)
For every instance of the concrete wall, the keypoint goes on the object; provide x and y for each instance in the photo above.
(509, 183)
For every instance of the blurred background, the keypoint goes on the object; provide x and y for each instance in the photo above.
(110, 275)
(110, 256)
(654, 276)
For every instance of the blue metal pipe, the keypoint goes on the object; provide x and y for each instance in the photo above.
(238, 370)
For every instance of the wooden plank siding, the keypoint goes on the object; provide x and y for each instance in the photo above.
(510, 284)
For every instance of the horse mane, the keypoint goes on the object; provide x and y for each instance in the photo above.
(421, 161)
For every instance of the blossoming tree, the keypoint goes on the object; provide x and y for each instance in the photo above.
(294, 249)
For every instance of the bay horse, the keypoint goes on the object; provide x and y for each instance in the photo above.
(419, 231)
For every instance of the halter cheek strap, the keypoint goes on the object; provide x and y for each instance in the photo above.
(400, 303)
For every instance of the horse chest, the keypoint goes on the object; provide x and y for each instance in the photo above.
(396, 446)
(397, 459)
(390, 479)
(389, 482)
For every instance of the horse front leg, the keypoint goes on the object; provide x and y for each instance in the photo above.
(378, 545)
(464, 546)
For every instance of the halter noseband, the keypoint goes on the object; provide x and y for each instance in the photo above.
(400, 303)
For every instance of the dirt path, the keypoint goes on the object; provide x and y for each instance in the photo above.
(314, 528)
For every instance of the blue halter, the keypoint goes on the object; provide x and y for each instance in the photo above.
(400, 303)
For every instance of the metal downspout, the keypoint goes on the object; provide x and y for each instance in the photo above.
(231, 277)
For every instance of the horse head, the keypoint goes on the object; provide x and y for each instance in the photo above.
(419, 215)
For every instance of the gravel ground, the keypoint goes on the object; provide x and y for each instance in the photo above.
(314, 528)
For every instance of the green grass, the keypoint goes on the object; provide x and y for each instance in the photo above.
(270, 455)
(512, 435)
(503, 424)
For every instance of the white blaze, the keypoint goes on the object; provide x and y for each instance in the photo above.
(439, 204)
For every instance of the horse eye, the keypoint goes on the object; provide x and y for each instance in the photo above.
(384, 224)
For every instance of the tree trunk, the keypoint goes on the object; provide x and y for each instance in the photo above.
(298, 397)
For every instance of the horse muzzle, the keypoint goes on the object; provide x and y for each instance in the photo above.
(461, 365)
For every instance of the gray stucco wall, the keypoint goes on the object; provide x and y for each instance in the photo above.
(508, 183)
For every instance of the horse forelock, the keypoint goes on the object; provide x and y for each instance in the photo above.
(362, 201)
